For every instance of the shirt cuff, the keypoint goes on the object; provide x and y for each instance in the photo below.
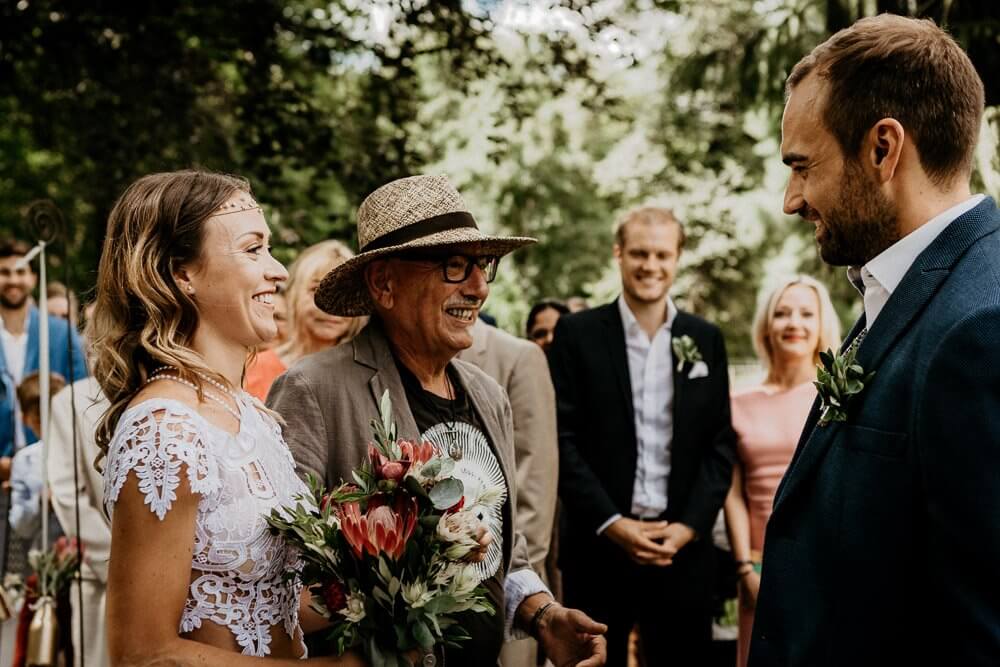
(516, 587)
(604, 526)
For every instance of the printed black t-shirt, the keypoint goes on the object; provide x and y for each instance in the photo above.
(455, 428)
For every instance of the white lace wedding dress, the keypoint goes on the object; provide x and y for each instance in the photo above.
(238, 567)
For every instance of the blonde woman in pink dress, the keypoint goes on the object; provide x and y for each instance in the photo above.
(792, 325)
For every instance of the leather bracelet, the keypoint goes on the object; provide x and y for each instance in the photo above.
(536, 618)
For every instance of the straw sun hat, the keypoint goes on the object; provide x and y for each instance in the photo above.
(410, 213)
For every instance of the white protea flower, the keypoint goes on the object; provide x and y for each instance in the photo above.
(354, 610)
(464, 581)
(416, 594)
(458, 529)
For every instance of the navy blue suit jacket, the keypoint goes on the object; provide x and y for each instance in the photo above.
(884, 544)
(59, 362)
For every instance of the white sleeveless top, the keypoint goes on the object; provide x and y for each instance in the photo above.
(238, 566)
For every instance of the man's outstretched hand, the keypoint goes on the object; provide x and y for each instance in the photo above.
(570, 638)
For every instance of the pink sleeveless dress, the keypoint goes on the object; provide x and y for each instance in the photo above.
(768, 425)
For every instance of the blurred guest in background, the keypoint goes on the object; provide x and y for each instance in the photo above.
(280, 320)
(576, 304)
(646, 449)
(793, 324)
(61, 302)
(542, 320)
(84, 402)
(309, 328)
(19, 351)
(26, 479)
(521, 369)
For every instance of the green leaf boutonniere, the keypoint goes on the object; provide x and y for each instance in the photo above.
(686, 350)
(838, 379)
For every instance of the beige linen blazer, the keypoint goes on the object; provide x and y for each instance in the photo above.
(328, 400)
(95, 529)
(520, 367)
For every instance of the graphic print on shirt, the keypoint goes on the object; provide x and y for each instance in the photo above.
(479, 470)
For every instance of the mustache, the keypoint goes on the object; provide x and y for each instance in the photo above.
(807, 212)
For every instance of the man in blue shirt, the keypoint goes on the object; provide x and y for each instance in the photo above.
(19, 346)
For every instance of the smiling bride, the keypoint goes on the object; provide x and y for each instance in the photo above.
(193, 463)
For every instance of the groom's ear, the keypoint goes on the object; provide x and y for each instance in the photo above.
(883, 148)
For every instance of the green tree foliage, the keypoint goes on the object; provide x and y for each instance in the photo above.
(553, 117)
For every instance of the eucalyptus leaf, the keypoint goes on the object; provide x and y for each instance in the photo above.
(446, 493)
(423, 634)
(432, 468)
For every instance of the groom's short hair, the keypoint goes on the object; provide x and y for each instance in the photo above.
(908, 69)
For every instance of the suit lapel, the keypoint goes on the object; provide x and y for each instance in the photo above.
(371, 349)
(681, 327)
(908, 301)
(814, 414)
(614, 343)
(479, 400)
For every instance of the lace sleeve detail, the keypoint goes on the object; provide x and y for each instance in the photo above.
(158, 440)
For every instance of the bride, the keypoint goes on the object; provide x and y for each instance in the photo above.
(193, 463)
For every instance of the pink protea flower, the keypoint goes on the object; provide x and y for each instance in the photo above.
(385, 468)
(417, 452)
(382, 529)
(412, 453)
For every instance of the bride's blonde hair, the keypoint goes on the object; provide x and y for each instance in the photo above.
(143, 320)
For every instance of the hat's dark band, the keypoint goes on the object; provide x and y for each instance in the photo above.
(422, 228)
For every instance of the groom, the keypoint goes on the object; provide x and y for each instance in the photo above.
(884, 544)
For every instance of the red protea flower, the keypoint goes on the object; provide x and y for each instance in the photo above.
(382, 529)
(334, 596)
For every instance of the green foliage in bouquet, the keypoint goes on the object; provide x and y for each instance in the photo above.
(384, 556)
(55, 568)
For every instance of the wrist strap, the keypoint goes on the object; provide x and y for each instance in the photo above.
(536, 618)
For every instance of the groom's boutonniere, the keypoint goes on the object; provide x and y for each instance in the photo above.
(838, 379)
(687, 350)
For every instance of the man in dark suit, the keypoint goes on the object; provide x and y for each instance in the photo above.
(884, 543)
(646, 449)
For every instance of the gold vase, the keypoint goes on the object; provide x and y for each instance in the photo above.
(43, 634)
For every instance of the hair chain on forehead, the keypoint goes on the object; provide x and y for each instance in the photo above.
(243, 202)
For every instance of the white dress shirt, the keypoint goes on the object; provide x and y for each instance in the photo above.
(881, 276)
(650, 367)
(15, 351)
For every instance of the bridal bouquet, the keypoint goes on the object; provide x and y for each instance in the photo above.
(385, 556)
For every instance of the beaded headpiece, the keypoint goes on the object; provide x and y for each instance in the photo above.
(243, 202)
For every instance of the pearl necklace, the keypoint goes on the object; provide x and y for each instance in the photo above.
(160, 374)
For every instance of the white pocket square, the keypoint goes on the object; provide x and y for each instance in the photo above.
(698, 370)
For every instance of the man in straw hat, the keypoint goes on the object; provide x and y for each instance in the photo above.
(423, 273)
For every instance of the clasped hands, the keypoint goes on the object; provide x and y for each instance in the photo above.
(650, 542)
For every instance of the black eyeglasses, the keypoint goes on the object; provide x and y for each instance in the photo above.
(458, 268)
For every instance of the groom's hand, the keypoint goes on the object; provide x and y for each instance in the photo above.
(641, 540)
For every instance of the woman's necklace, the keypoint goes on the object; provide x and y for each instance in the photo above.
(162, 373)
